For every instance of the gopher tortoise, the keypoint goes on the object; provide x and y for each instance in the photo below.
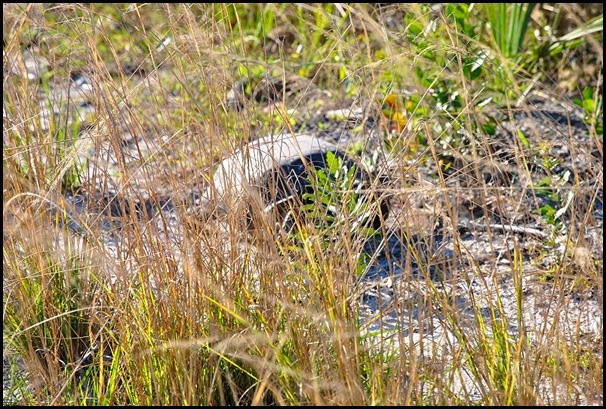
(270, 176)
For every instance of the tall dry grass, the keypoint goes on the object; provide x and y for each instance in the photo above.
(172, 311)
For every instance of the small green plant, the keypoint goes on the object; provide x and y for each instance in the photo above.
(592, 107)
(335, 200)
(333, 207)
(550, 200)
